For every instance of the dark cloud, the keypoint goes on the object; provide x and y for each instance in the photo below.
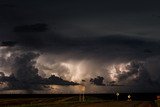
(2, 74)
(114, 83)
(8, 43)
(58, 81)
(113, 49)
(25, 74)
(97, 81)
(157, 16)
(38, 27)
(24, 69)
(38, 84)
(110, 45)
(6, 5)
(137, 73)
(133, 70)
(100, 32)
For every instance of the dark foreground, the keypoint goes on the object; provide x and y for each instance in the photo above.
(72, 100)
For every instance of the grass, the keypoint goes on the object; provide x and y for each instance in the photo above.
(68, 102)
(157, 103)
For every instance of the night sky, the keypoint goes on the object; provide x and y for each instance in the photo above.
(54, 46)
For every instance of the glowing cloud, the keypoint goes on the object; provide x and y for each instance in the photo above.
(115, 70)
(76, 70)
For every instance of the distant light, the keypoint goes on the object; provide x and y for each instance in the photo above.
(158, 97)
(117, 94)
(129, 96)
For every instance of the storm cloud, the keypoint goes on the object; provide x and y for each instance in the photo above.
(61, 58)
(39, 27)
(8, 43)
(25, 75)
(61, 43)
(97, 81)
(136, 72)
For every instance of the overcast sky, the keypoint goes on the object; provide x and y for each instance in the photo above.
(103, 44)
